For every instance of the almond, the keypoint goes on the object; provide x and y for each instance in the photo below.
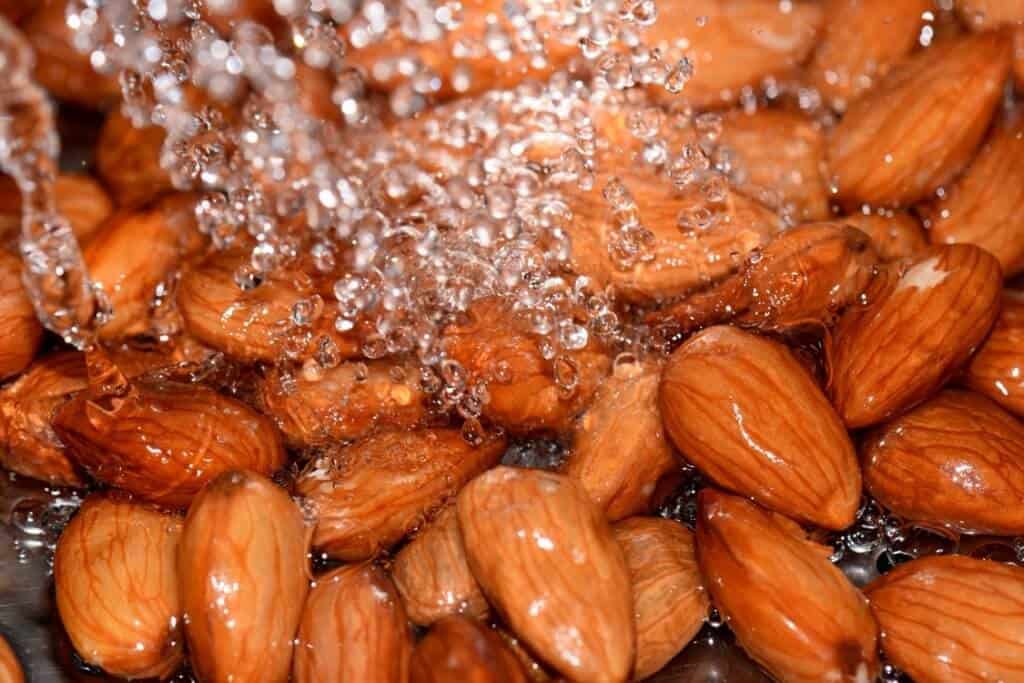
(433, 576)
(984, 14)
(1018, 57)
(778, 158)
(744, 411)
(22, 331)
(353, 628)
(895, 235)
(460, 649)
(922, 123)
(956, 461)
(997, 370)
(910, 339)
(533, 669)
(164, 440)
(791, 609)
(669, 600)
(984, 206)
(371, 494)
(243, 567)
(343, 403)
(14, 11)
(860, 43)
(10, 668)
(117, 587)
(619, 450)
(128, 161)
(952, 619)
(546, 559)
(80, 199)
(493, 348)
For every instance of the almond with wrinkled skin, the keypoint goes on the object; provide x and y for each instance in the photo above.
(980, 15)
(353, 628)
(493, 347)
(163, 441)
(894, 234)
(128, 161)
(619, 449)
(243, 568)
(10, 668)
(371, 494)
(956, 461)
(952, 619)
(343, 403)
(905, 344)
(921, 124)
(117, 587)
(79, 197)
(546, 559)
(744, 411)
(985, 205)
(22, 332)
(669, 600)
(792, 610)
(778, 159)
(860, 42)
(459, 649)
(997, 370)
(433, 576)
(533, 669)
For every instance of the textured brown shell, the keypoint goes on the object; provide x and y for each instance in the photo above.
(997, 370)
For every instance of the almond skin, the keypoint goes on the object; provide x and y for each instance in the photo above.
(80, 199)
(342, 403)
(619, 449)
(371, 494)
(984, 206)
(546, 559)
(979, 15)
(433, 575)
(10, 669)
(903, 346)
(669, 600)
(895, 235)
(997, 370)
(462, 649)
(22, 331)
(1018, 57)
(353, 628)
(744, 411)
(956, 460)
(921, 124)
(791, 609)
(128, 161)
(117, 587)
(163, 441)
(952, 619)
(243, 567)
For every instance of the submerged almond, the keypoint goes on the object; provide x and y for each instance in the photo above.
(997, 370)
(22, 331)
(461, 649)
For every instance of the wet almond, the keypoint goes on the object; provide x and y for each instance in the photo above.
(369, 495)
(433, 575)
(914, 334)
(546, 559)
(669, 600)
(744, 411)
(10, 668)
(243, 568)
(22, 331)
(619, 449)
(952, 619)
(353, 628)
(997, 370)
(460, 649)
(117, 587)
(895, 235)
(80, 199)
(792, 610)
(128, 161)
(1018, 57)
(979, 15)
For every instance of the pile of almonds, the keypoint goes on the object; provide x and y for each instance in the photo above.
(256, 519)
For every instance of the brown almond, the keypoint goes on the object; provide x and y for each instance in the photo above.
(243, 567)
(433, 575)
(669, 600)
(493, 347)
(980, 15)
(80, 199)
(463, 650)
(343, 403)
(952, 619)
(984, 206)
(906, 343)
(860, 42)
(546, 559)
(164, 441)
(997, 370)
(792, 610)
(14, 10)
(1018, 57)
(128, 161)
(353, 628)
(10, 667)
(744, 411)
(22, 331)
(369, 495)
(895, 235)
(921, 124)
(117, 587)
(956, 461)
(619, 449)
